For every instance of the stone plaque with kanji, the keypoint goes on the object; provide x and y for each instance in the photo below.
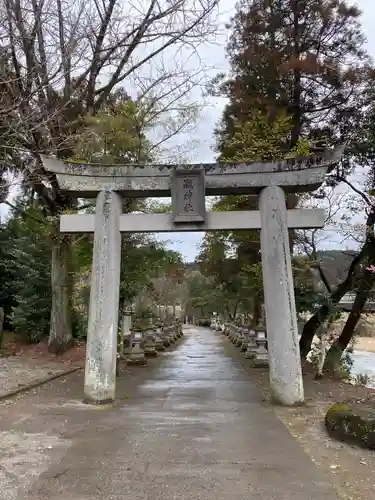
(188, 196)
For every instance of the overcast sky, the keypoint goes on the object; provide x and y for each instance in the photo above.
(214, 56)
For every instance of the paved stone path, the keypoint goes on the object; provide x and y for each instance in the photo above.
(191, 427)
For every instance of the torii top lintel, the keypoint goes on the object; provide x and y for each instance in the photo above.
(294, 176)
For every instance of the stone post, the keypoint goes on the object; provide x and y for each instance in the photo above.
(126, 332)
(281, 318)
(101, 351)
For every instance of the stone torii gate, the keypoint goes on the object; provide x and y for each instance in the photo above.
(188, 185)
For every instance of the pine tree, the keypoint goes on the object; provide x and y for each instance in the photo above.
(29, 254)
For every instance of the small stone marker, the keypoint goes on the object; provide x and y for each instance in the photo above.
(137, 355)
(251, 345)
(165, 336)
(150, 346)
(158, 340)
(125, 343)
(261, 354)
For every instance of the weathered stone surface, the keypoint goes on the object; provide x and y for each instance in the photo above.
(244, 344)
(125, 342)
(158, 340)
(352, 423)
(188, 196)
(215, 221)
(149, 345)
(281, 317)
(270, 180)
(251, 345)
(137, 355)
(101, 354)
(260, 352)
(250, 353)
(168, 335)
(295, 175)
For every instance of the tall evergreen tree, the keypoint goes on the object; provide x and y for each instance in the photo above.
(302, 58)
(28, 261)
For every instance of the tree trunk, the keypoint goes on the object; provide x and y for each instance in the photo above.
(341, 343)
(321, 315)
(60, 336)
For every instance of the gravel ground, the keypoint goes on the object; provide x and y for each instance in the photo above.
(351, 469)
(24, 364)
(16, 373)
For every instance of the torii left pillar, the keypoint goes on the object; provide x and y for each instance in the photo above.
(101, 351)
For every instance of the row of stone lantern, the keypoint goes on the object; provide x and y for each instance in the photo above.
(139, 343)
(253, 342)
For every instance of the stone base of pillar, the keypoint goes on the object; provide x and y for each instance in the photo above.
(97, 402)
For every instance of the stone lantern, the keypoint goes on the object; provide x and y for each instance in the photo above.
(137, 355)
(125, 334)
(251, 345)
(261, 353)
(149, 344)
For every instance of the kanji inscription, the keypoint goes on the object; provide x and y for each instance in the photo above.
(188, 196)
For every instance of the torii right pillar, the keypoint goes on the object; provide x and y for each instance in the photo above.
(281, 319)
